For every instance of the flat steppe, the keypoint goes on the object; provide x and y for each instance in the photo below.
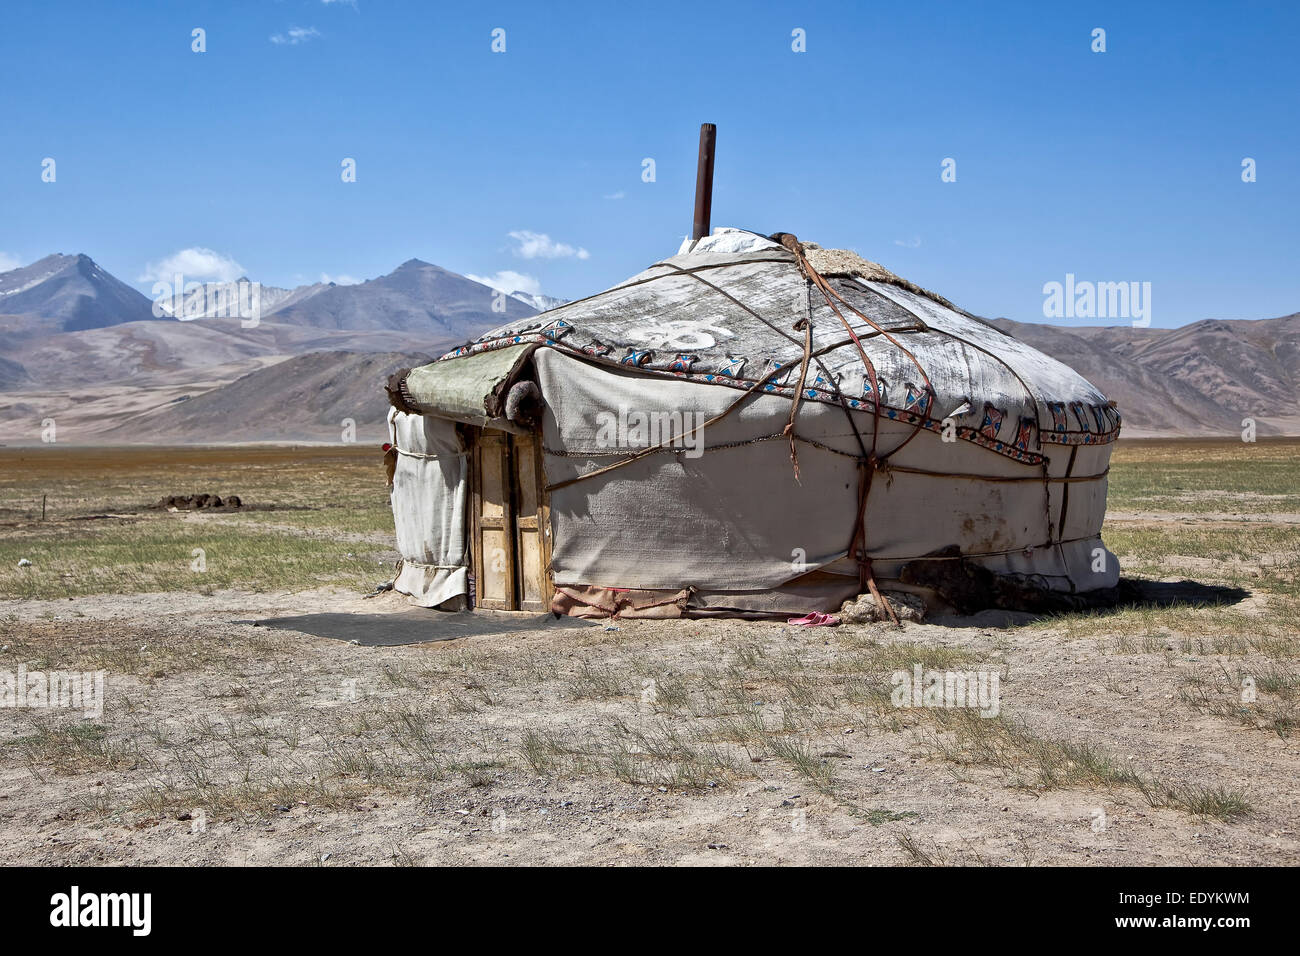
(1161, 732)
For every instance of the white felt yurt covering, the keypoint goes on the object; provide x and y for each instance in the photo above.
(918, 432)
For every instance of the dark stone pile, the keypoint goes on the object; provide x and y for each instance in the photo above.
(202, 502)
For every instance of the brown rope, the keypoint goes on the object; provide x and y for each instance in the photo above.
(917, 426)
(798, 392)
(874, 462)
(637, 456)
(983, 554)
(1065, 492)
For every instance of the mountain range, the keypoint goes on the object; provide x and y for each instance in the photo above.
(1201, 379)
(67, 294)
(85, 348)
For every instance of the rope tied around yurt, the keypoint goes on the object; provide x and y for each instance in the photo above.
(644, 452)
(870, 459)
(804, 325)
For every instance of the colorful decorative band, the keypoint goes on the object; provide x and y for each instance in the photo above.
(1098, 424)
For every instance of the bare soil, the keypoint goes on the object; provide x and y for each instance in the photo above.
(891, 797)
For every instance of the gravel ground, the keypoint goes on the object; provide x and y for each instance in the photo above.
(650, 742)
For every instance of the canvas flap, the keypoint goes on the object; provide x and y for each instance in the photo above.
(429, 492)
(469, 389)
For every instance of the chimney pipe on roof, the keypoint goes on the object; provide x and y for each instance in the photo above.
(704, 181)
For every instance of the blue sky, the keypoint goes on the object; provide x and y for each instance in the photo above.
(1115, 166)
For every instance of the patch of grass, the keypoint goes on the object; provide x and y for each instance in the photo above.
(599, 682)
(1264, 697)
(879, 817)
(669, 692)
(917, 855)
(317, 493)
(1211, 801)
(661, 754)
(80, 480)
(803, 759)
(541, 752)
(656, 754)
(70, 747)
(159, 554)
(1205, 476)
(873, 657)
(1250, 556)
(1185, 629)
(143, 650)
(477, 773)
(1033, 762)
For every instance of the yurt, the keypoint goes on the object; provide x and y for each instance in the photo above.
(755, 426)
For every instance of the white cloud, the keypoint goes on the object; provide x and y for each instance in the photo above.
(538, 245)
(340, 279)
(295, 35)
(618, 195)
(194, 263)
(8, 262)
(508, 281)
(913, 243)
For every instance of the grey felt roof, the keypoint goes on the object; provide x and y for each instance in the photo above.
(724, 313)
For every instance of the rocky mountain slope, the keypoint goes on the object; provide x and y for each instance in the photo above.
(415, 297)
(309, 397)
(1201, 379)
(66, 294)
(79, 344)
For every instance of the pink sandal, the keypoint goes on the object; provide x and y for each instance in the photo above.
(815, 619)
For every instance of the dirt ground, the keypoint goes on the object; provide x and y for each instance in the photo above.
(1120, 739)
(273, 710)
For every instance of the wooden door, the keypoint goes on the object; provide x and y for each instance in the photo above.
(492, 543)
(510, 536)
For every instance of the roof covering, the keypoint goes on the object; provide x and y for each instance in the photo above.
(728, 310)
(467, 391)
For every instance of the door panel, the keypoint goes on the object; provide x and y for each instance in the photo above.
(533, 591)
(496, 588)
(495, 466)
(492, 546)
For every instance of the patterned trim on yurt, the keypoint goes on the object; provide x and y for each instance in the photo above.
(997, 433)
